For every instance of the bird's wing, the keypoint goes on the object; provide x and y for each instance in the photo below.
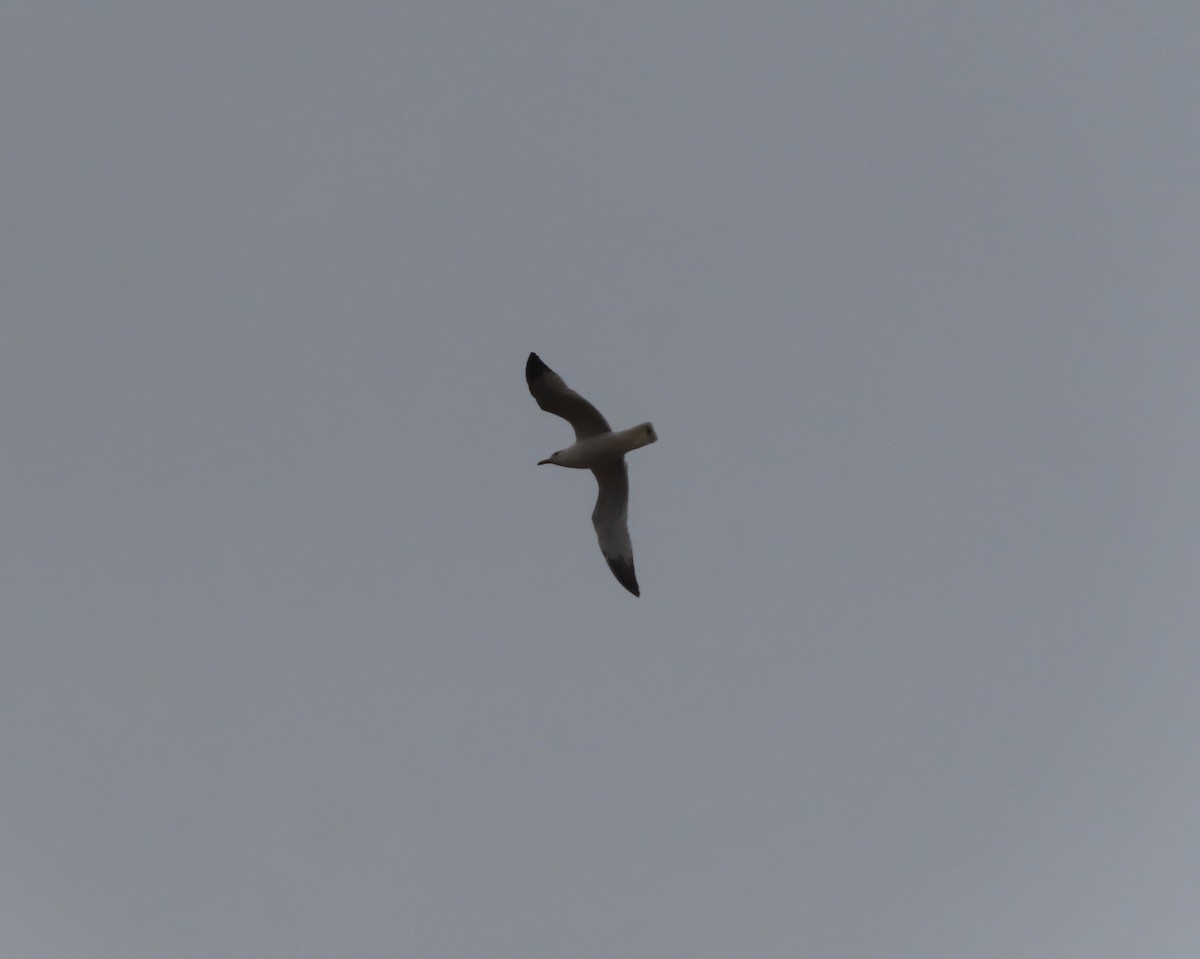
(612, 504)
(554, 396)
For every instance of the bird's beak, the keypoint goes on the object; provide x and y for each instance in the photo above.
(542, 462)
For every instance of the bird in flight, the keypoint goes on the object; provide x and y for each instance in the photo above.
(602, 450)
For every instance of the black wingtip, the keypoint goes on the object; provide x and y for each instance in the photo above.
(623, 570)
(534, 368)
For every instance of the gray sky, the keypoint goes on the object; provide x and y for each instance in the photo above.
(305, 657)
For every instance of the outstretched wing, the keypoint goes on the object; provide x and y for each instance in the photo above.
(612, 528)
(554, 396)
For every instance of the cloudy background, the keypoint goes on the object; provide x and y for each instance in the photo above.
(304, 657)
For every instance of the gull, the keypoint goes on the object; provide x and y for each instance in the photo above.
(602, 450)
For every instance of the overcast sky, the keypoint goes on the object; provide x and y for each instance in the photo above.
(303, 655)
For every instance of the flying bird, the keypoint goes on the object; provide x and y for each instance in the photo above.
(602, 450)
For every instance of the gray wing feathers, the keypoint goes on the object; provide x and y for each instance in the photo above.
(609, 518)
(554, 396)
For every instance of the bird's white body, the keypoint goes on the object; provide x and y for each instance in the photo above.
(603, 448)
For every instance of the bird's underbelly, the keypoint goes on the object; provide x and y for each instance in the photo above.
(592, 452)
